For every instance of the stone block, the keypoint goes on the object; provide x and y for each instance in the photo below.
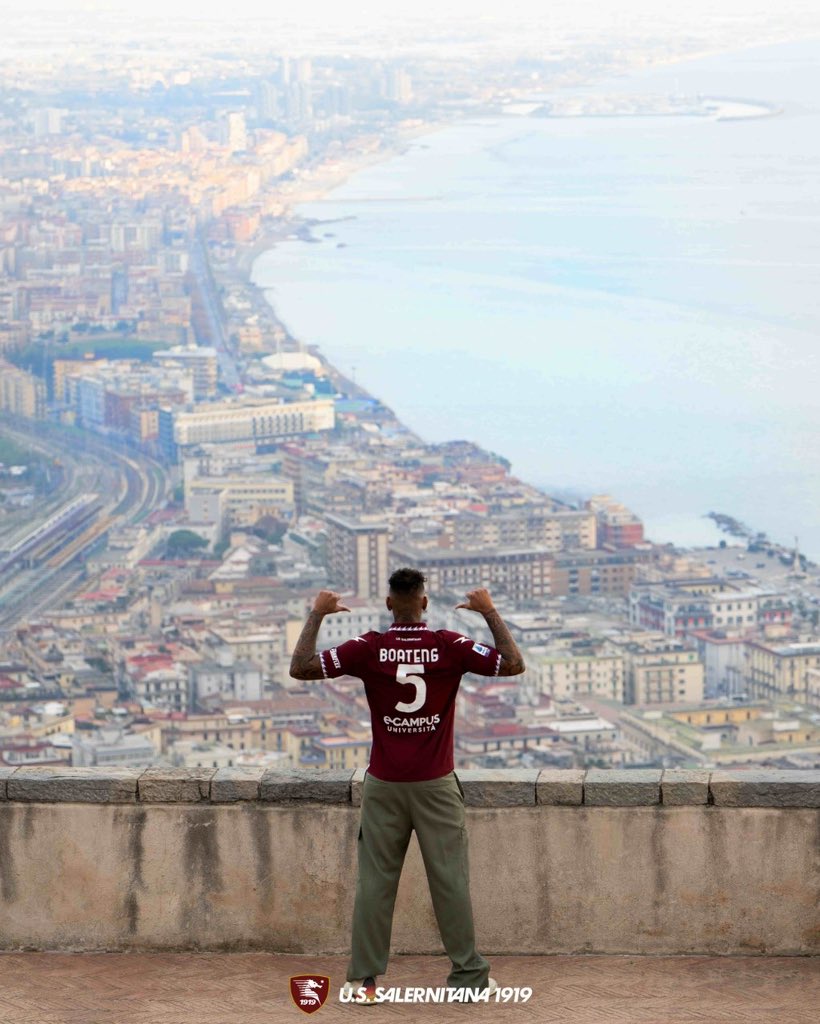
(498, 787)
(160, 785)
(314, 785)
(622, 787)
(765, 788)
(5, 771)
(45, 784)
(356, 784)
(231, 784)
(560, 786)
(684, 786)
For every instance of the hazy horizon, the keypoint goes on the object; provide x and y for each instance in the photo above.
(522, 23)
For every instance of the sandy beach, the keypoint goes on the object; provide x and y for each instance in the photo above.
(314, 184)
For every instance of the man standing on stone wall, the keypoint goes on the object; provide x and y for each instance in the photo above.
(411, 675)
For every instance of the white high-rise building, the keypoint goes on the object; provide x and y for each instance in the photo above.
(399, 86)
(237, 132)
(268, 108)
(47, 121)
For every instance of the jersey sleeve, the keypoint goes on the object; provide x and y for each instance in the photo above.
(473, 656)
(345, 660)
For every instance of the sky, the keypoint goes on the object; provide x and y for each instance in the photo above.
(323, 12)
(456, 28)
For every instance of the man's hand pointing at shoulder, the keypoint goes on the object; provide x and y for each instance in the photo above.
(305, 663)
(479, 600)
(326, 602)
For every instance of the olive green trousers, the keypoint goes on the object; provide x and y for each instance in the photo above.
(390, 812)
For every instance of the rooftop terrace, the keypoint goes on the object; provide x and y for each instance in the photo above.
(252, 988)
(659, 896)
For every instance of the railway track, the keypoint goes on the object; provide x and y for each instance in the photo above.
(40, 566)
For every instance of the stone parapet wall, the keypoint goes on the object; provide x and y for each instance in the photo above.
(594, 787)
(562, 861)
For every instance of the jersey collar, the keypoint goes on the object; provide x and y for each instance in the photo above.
(405, 627)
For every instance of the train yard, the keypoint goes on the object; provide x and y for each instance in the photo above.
(102, 487)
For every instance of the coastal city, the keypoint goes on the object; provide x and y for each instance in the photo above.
(180, 474)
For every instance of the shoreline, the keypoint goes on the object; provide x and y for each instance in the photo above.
(289, 223)
(715, 108)
(290, 226)
(727, 109)
(355, 164)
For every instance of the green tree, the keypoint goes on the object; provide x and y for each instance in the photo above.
(270, 528)
(184, 542)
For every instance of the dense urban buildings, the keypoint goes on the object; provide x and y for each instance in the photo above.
(179, 474)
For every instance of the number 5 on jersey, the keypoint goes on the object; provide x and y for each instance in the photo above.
(407, 674)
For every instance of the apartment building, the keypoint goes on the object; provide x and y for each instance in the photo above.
(791, 670)
(357, 555)
(618, 527)
(262, 647)
(523, 574)
(244, 499)
(343, 751)
(21, 394)
(659, 670)
(199, 361)
(250, 420)
(679, 607)
(605, 573)
(539, 527)
(568, 673)
(723, 658)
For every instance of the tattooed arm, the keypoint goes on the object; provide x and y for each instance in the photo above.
(305, 663)
(512, 663)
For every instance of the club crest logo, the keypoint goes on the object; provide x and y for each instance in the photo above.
(309, 991)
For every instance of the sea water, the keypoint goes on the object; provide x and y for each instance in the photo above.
(627, 305)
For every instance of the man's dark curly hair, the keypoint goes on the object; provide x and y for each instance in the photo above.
(407, 581)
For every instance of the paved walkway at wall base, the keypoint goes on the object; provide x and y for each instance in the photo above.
(253, 988)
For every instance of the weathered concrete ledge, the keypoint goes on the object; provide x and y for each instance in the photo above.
(303, 785)
(760, 788)
(608, 787)
(681, 786)
(595, 787)
(603, 861)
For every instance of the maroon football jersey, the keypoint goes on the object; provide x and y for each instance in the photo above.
(411, 675)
